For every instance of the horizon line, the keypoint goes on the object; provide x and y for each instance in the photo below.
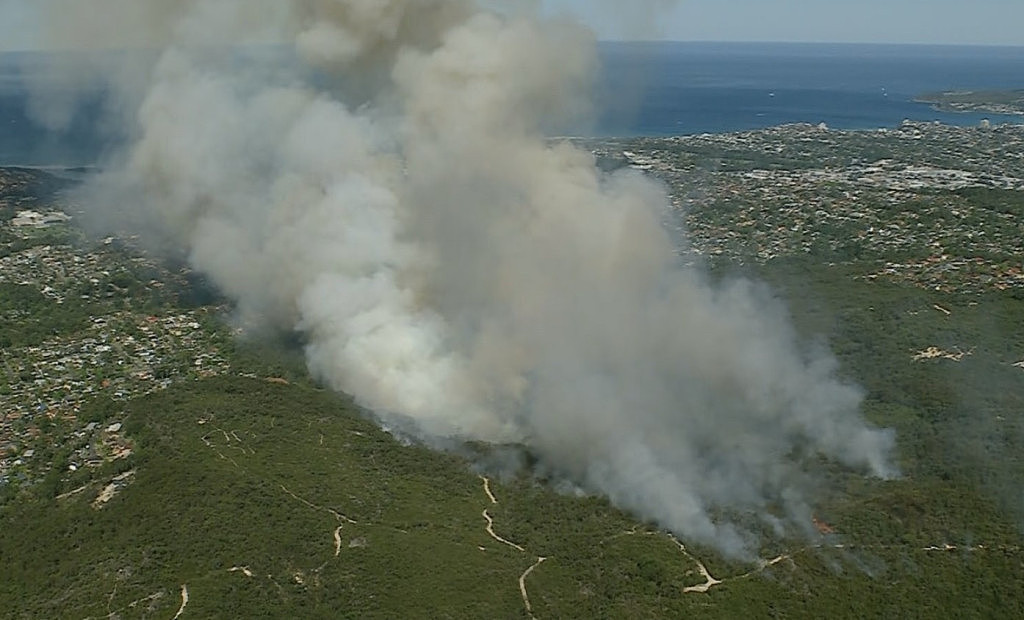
(806, 42)
(653, 41)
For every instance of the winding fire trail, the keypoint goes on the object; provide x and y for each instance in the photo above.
(342, 519)
(184, 602)
(710, 581)
(490, 531)
(337, 515)
(490, 520)
(487, 490)
(522, 586)
(764, 565)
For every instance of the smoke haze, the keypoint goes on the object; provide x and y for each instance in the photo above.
(396, 202)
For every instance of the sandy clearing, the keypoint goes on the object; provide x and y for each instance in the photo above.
(932, 353)
(337, 541)
(111, 489)
(709, 582)
(973, 548)
(781, 558)
(74, 492)
(763, 565)
(245, 570)
(707, 585)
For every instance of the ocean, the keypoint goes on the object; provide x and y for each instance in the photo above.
(688, 88)
(662, 89)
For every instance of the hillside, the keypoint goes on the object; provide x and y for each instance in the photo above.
(152, 464)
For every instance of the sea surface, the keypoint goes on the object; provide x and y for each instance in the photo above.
(649, 89)
(688, 88)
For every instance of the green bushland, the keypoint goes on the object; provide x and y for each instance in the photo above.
(217, 462)
(29, 317)
(237, 472)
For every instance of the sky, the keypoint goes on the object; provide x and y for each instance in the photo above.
(966, 22)
(971, 22)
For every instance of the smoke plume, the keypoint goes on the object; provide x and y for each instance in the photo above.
(394, 200)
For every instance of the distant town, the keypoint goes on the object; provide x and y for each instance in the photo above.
(931, 204)
(80, 323)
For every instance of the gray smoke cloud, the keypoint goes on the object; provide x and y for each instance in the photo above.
(455, 271)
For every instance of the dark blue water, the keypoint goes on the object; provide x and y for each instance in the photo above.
(659, 89)
(24, 141)
(686, 88)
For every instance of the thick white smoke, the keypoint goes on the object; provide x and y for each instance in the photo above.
(452, 269)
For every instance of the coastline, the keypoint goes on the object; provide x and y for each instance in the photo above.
(1007, 102)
